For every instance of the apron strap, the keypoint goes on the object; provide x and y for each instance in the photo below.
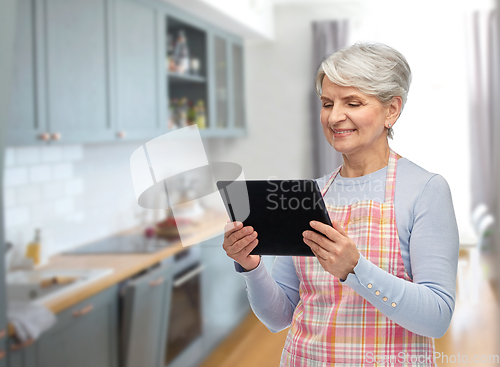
(390, 181)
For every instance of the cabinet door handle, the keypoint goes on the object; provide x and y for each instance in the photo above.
(56, 136)
(44, 136)
(156, 282)
(83, 311)
(183, 279)
(21, 345)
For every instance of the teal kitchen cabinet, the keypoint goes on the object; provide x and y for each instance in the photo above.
(61, 80)
(227, 87)
(20, 355)
(219, 82)
(225, 303)
(76, 62)
(84, 335)
(93, 71)
(139, 69)
(237, 92)
(26, 123)
(145, 318)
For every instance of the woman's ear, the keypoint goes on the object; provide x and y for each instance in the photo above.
(394, 110)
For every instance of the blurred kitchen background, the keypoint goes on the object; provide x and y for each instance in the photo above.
(87, 82)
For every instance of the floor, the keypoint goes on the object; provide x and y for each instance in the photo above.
(472, 338)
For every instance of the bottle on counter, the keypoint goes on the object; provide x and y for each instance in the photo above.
(34, 248)
(181, 53)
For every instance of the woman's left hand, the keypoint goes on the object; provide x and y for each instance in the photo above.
(336, 252)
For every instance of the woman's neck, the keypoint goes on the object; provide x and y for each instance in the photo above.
(364, 163)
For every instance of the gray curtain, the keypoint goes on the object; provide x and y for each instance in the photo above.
(328, 37)
(484, 119)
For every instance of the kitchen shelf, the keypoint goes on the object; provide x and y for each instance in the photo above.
(185, 78)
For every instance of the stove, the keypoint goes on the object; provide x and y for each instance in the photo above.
(123, 244)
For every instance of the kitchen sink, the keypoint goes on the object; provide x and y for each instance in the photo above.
(43, 285)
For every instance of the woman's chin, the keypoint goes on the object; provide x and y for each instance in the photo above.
(341, 146)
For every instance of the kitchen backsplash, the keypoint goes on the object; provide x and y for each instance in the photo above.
(74, 194)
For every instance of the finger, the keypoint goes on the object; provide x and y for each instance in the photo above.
(242, 244)
(239, 235)
(327, 230)
(319, 239)
(317, 250)
(249, 248)
(232, 227)
(336, 225)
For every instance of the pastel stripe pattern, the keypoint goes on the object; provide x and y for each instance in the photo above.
(334, 326)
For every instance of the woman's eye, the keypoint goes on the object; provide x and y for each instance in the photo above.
(354, 104)
(327, 105)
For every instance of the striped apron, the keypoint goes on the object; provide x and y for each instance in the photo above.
(334, 326)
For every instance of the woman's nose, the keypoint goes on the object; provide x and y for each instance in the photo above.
(336, 114)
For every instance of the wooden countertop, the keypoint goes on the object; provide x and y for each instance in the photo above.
(124, 265)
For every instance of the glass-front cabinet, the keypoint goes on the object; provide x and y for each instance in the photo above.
(204, 70)
(221, 83)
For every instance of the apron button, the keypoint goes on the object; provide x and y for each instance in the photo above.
(377, 293)
(393, 304)
(369, 285)
(385, 299)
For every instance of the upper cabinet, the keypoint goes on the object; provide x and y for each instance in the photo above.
(138, 45)
(76, 70)
(200, 77)
(116, 70)
(25, 124)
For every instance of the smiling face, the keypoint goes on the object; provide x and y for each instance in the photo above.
(347, 109)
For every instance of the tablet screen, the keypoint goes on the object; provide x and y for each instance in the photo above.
(279, 210)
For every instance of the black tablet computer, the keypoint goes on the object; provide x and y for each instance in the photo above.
(279, 210)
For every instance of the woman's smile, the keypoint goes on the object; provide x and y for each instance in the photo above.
(342, 133)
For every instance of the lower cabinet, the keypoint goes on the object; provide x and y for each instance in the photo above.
(84, 335)
(146, 303)
(225, 302)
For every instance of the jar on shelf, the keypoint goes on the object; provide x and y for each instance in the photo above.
(181, 53)
(201, 119)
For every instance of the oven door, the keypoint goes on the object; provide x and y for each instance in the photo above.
(185, 320)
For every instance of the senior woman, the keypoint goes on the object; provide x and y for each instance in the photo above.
(381, 285)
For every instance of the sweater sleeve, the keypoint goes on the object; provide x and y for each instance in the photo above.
(273, 297)
(424, 306)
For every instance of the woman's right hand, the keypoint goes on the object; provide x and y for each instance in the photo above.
(239, 241)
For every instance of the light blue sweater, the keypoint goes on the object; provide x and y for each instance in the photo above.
(428, 235)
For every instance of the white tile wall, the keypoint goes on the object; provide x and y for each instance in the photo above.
(29, 155)
(75, 194)
(29, 194)
(17, 216)
(40, 173)
(14, 177)
(52, 154)
(9, 158)
(9, 199)
(62, 171)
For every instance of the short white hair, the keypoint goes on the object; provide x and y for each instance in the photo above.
(373, 68)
